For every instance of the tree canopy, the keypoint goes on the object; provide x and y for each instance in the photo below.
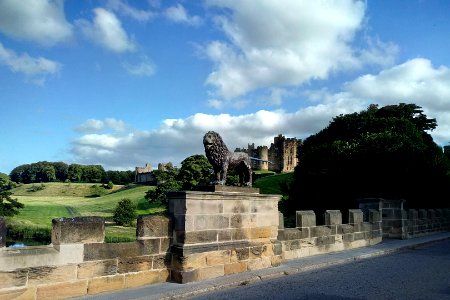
(8, 206)
(195, 170)
(382, 152)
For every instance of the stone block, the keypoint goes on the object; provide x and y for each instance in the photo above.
(262, 219)
(305, 218)
(17, 278)
(259, 263)
(319, 231)
(183, 223)
(211, 272)
(240, 254)
(236, 207)
(153, 226)
(295, 233)
(162, 261)
(135, 264)
(348, 237)
(62, 290)
(431, 214)
(97, 268)
(78, 230)
(108, 251)
(236, 267)
(277, 248)
(276, 260)
(146, 277)
(413, 214)
(374, 216)
(263, 232)
(423, 214)
(105, 284)
(18, 294)
(355, 216)
(207, 222)
(333, 217)
(280, 221)
(203, 207)
(264, 206)
(42, 275)
(218, 257)
(189, 262)
(439, 213)
(184, 276)
(2, 232)
(240, 234)
(358, 236)
(345, 228)
(198, 237)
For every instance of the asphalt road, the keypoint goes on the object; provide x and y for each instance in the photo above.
(421, 273)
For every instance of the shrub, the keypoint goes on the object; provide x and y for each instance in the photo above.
(109, 185)
(124, 213)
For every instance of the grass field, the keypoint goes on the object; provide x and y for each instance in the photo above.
(271, 184)
(71, 200)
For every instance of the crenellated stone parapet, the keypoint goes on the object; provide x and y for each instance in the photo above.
(310, 239)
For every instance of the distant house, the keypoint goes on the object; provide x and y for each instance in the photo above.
(145, 174)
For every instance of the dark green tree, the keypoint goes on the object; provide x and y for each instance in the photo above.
(124, 213)
(75, 172)
(8, 206)
(377, 153)
(166, 181)
(195, 171)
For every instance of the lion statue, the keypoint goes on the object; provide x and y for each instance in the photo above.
(222, 159)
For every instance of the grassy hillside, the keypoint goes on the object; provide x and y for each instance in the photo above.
(271, 184)
(58, 200)
(57, 189)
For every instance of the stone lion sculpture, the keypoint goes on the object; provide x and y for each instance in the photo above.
(222, 159)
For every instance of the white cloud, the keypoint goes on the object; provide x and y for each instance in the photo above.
(274, 43)
(122, 7)
(178, 14)
(94, 125)
(106, 30)
(379, 53)
(36, 69)
(143, 68)
(176, 139)
(40, 21)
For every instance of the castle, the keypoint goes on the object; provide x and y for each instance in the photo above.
(282, 155)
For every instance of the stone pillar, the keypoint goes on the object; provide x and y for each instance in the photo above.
(2, 232)
(393, 218)
(220, 233)
(333, 217)
(78, 230)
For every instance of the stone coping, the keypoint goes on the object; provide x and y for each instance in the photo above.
(227, 188)
(201, 195)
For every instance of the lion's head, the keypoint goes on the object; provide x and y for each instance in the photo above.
(215, 149)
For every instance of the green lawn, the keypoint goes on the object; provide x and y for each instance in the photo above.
(44, 205)
(271, 184)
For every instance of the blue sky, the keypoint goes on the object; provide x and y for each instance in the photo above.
(122, 83)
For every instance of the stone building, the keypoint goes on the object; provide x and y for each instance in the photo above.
(282, 155)
(144, 174)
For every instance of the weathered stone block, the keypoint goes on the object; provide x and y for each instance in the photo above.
(62, 290)
(78, 230)
(153, 226)
(218, 257)
(13, 279)
(266, 220)
(135, 264)
(184, 276)
(320, 231)
(280, 221)
(276, 260)
(236, 207)
(202, 207)
(162, 261)
(240, 234)
(348, 237)
(240, 254)
(195, 237)
(146, 277)
(263, 232)
(358, 236)
(108, 251)
(423, 214)
(42, 275)
(206, 222)
(431, 214)
(105, 284)
(97, 268)
(305, 218)
(189, 262)
(242, 220)
(236, 267)
(18, 294)
(2, 232)
(277, 248)
(345, 228)
(259, 263)
(211, 272)
(333, 217)
(355, 216)
(374, 216)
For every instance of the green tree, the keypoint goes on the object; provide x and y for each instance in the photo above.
(124, 213)
(195, 170)
(379, 152)
(166, 182)
(75, 172)
(8, 206)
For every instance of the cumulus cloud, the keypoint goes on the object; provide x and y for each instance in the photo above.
(274, 43)
(35, 68)
(107, 31)
(40, 21)
(176, 139)
(178, 14)
(94, 125)
(123, 8)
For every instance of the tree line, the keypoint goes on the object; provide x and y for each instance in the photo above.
(44, 171)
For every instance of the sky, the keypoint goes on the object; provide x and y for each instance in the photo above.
(123, 83)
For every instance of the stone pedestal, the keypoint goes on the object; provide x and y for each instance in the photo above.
(220, 233)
